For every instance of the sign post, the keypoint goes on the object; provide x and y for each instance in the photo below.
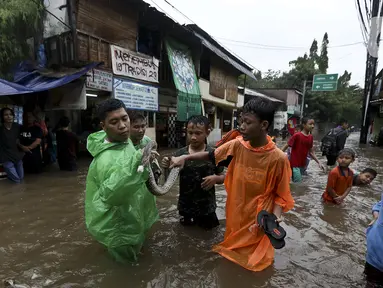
(325, 82)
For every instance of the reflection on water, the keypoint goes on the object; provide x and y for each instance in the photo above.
(43, 235)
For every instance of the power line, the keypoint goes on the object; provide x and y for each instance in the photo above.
(234, 54)
(280, 48)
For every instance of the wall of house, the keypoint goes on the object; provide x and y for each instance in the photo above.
(101, 23)
(292, 98)
(205, 94)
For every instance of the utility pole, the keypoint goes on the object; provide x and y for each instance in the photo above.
(371, 66)
(303, 97)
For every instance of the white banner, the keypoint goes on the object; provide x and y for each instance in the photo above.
(136, 96)
(98, 79)
(134, 65)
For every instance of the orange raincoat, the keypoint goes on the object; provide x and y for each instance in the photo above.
(256, 179)
(231, 135)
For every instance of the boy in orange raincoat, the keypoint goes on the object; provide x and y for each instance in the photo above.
(258, 178)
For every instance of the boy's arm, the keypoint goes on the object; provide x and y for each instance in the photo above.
(313, 156)
(341, 140)
(217, 178)
(331, 182)
(380, 217)
(290, 143)
(220, 175)
(284, 148)
(345, 193)
(283, 200)
(377, 207)
(219, 157)
(122, 178)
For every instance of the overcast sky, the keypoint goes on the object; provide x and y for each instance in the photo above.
(293, 23)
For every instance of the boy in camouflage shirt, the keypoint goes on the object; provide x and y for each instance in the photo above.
(197, 201)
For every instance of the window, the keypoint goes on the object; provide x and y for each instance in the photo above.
(205, 65)
(149, 42)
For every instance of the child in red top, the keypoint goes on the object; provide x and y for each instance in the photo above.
(340, 178)
(301, 144)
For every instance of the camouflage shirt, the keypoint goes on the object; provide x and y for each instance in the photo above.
(193, 200)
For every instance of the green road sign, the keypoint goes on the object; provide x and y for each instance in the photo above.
(325, 82)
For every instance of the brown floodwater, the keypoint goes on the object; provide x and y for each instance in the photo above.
(43, 236)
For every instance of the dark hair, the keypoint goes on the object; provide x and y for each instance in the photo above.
(136, 115)
(3, 112)
(64, 122)
(239, 110)
(263, 108)
(305, 120)
(371, 171)
(199, 120)
(107, 106)
(343, 121)
(347, 151)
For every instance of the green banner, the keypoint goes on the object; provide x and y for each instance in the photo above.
(185, 80)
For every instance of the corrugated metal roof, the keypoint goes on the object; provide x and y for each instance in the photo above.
(221, 51)
(254, 93)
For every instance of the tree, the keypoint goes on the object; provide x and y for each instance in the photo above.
(323, 59)
(322, 106)
(19, 20)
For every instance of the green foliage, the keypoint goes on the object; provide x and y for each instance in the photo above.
(19, 20)
(322, 106)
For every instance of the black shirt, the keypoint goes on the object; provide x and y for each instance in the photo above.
(67, 146)
(341, 137)
(193, 200)
(32, 161)
(9, 151)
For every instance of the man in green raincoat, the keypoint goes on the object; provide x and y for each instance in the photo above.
(119, 209)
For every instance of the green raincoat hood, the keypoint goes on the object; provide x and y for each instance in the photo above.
(96, 143)
(119, 209)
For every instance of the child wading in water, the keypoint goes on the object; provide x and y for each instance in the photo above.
(301, 144)
(258, 178)
(364, 178)
(340, 178)
(197, 203)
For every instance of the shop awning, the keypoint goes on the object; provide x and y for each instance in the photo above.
(38, 81)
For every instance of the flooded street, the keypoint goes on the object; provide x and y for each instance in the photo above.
(42, 232)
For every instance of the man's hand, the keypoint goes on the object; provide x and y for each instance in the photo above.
(178, 161)
(26, 149)
(165, 163)
(322, 167)
(209, 182)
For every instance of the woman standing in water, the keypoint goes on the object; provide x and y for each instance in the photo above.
(10, 149)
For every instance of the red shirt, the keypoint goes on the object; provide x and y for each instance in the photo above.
(300, 147)
(339, 181)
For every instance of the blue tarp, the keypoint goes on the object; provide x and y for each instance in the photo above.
(36, 82)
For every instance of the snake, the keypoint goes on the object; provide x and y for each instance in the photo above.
(153, 187)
